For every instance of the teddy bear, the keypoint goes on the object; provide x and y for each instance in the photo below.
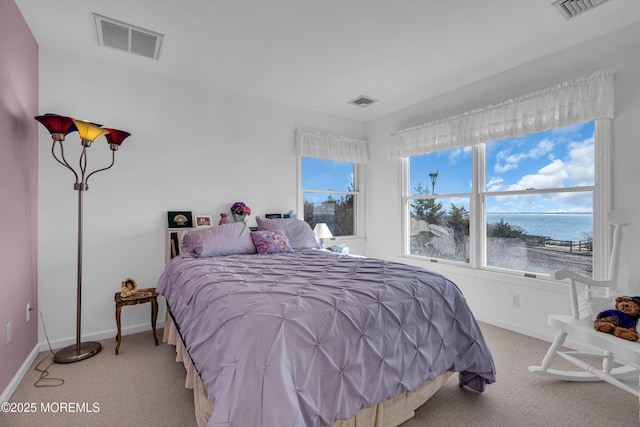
(620, 322)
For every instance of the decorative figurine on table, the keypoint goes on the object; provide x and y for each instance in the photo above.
(224, 219)
(129, 287)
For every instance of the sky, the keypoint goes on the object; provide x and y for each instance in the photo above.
(323, 174)
(558, 158)
(554, 159)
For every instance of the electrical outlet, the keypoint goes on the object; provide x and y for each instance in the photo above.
(28, 312)
(515, 300)
(8, 332)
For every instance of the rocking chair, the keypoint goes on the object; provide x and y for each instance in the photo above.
(612, 349)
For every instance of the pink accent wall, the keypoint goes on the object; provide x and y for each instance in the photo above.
(18, 189)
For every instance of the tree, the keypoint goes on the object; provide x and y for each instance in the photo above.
(337, 213)
(426, 209)
(458, 220)
(504, 229)
(343, 225)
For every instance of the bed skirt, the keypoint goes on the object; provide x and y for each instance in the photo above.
(390, 413)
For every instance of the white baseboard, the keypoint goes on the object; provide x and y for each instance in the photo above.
(17, 378)
(44, 346)
(515, 328)
(110, 333)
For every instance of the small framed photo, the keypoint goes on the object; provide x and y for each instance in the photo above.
(273, 216)
(180, 219)
(203, 221)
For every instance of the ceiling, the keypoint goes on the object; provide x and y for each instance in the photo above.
(321, 54)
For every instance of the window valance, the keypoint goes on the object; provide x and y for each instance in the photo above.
(569, 103)
(333, 147)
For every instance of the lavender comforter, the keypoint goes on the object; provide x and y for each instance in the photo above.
(308, 338)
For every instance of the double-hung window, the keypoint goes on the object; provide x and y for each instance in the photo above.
(330, 194)
(522, 187)
(532, 198)
(438, 204)
(331, 169)
(538, 195)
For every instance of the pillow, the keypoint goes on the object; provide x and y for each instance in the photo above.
(271, 241)
(300, 234)
(590, 305)
(225, 239)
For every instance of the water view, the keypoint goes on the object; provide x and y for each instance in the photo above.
(574, 227)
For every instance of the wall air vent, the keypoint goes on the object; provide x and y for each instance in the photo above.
(362, 101)
(129, 38)
(571, 8)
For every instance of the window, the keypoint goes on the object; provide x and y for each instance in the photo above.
(330, 194)
(530, 200)
(440, 186)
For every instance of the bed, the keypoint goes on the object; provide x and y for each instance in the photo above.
(275, 331)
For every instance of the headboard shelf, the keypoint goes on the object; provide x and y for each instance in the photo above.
(172, 244)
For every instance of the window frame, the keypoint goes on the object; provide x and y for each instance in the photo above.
(601, 204)
(357, 193)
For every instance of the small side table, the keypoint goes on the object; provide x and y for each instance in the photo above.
(143, 295)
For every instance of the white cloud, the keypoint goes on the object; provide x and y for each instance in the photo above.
(576, 170)
(552, 175)
(456, 154)
(580, 163)
(495, 184)
(507, 161)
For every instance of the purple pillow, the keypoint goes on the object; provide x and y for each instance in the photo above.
(300, 234)
(226, 239)
(271, 241)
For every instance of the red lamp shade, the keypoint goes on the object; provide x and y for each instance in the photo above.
(58, 126)
(115, 137)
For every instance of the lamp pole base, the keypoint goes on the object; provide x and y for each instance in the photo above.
(72, 354)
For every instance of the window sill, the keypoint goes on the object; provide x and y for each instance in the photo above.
(541, 281)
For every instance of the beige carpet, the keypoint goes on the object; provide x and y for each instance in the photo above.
(144, 386)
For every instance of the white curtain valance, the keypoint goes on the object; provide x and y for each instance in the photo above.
(569, 103)
(333, 147)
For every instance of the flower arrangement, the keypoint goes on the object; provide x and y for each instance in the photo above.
(239, 208)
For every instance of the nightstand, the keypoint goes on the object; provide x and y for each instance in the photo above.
(143, 296)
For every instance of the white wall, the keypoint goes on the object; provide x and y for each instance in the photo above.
(192, 148)
(490, 294)
(201, 149)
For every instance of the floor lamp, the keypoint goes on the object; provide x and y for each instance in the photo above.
(59, 126)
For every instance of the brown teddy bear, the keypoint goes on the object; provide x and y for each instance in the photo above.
(620, 322)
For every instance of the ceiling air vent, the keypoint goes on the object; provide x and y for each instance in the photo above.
(362, 101)
(571, 8)
(129, 38)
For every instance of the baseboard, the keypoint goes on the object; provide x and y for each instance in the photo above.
(44, 346)
(515, 328)
(17, 378)
(569, 343)
(97, 336)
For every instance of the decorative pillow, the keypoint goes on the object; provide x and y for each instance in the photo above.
(300, 234)
(590, 305)
(226, 239)
(271, 241)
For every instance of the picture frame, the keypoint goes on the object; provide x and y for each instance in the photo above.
(273, 216)
(180, 219)
(203, 221)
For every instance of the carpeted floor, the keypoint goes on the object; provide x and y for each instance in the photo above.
(144, 386)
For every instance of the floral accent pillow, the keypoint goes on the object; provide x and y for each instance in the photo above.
(271, 241)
